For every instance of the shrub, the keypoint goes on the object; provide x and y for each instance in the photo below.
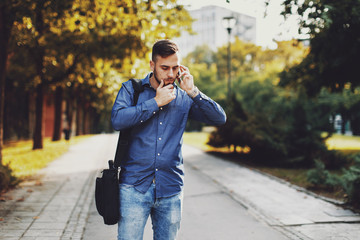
(350, 182)
(321, 177)
(7, 179)
(334, 159)
(281, 128)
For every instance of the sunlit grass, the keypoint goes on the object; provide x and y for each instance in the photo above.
(200, 139)
(336, 142)
(344, 143)
(25, 162)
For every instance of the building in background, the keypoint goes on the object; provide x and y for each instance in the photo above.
(210, 31)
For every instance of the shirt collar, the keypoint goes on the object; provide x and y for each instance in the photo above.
(146, 80)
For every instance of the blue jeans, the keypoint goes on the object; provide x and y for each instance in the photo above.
(135, 208)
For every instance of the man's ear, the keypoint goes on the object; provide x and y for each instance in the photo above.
(152, 65)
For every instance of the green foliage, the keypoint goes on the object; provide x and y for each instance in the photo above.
(335, 159)
(333, 27)
(227, 134)
(85, 47)
(249, 63)
(7, 180)
(355, 118)
(70, 37)
(320, 176)
(280, 127)
(248, 58)
(205, 72)
(350, 182)
(346, 103)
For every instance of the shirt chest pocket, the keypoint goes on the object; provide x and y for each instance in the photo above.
(176, 115)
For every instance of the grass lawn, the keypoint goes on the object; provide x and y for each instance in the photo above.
(25, 162)
(346, 144)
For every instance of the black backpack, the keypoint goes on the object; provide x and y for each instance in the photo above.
(107, 187)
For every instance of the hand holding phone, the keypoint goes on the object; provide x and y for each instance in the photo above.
(185, 79)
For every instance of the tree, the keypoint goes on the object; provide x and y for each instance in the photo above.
(270, 120)
(10, 11)
(247, 58)
(280, 127)
(34, 34)
(204, 69)
(355, 116)
(235, 132)
(333, 27)
(244, 58)
(4, 41)
(58, 36)
(345, 103)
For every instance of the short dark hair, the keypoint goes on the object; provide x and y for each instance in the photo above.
(164, 48)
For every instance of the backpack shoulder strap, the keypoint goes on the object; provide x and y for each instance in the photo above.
(138, 88)
(124, 135)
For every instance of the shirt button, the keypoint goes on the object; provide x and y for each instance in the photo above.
(158, 154)
(154, 112)
(161, 108)
(160, 123)
(200, 98)
(156, 169)
(159, 139)
(141, 121)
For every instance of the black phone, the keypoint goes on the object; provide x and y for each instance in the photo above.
(178, 76)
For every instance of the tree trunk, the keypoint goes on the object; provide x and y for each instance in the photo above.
(355, 126)
(4, 42)
(69, 114)
(85, 117)
(78, 117)
(343, 124)
(39, 62)
(39, 118)
(58, 114)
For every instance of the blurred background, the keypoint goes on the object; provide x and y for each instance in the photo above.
(285, 71)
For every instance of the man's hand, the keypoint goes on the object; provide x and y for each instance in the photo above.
(187, 82)
(164, 94)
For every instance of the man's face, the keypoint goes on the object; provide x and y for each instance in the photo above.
(166, 68)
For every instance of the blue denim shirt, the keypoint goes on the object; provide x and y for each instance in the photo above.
(156, 138)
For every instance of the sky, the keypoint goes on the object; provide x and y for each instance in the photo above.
(269, 28)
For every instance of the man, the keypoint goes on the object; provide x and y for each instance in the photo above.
(151, 177)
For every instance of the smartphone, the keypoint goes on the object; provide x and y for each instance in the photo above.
(178, 76)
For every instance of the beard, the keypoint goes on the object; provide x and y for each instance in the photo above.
(166, 81)
(155, 76)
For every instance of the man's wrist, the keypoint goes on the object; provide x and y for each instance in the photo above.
(194, 92)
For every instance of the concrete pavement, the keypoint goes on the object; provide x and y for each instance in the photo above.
(222, 201)
(286, 208)
(56, 205)
(209, 214)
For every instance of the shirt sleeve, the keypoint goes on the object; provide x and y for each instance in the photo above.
(206, 110)
(125, 115)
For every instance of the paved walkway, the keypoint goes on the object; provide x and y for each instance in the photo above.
(222, 201)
